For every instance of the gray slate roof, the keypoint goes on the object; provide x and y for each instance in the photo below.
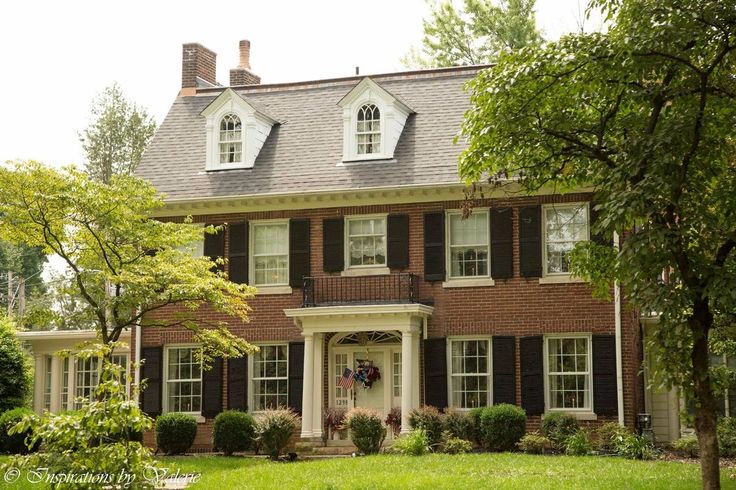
(302, 153)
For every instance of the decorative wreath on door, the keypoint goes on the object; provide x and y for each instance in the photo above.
(366, 373)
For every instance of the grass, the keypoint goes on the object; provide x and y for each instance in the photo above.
(498, 471)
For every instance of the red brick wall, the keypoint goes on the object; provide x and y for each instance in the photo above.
(516, 306)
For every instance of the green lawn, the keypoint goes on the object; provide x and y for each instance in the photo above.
(435, 472)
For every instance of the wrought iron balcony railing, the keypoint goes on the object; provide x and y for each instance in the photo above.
(360, 290)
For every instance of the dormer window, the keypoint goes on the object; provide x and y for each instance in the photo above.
(369, 130)
(231, 139)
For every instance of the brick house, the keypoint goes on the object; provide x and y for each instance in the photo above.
(343, 206)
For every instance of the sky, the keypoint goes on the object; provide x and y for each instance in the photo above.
(57, 56)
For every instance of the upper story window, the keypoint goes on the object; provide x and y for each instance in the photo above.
(366, 242)
(231, 139)
(468, 245)
(183, 386)
(368, 135)
(470, 373)
(564, 226)
(568, 373)
(270, 253)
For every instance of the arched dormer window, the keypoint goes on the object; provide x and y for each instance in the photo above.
(231, 139)
(368, 134)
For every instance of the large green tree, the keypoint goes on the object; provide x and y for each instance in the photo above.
(24, 263)
(474, 34)
(115, 140)
(16, 379)
(129, 269)
(643, 115)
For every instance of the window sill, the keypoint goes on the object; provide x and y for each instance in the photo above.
(560, 279)
(268, 290)
(475, 282)
(578, 415)
(368, 271)
(221, 168)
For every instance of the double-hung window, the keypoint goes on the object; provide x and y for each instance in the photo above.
(183, 380)
(470, 376)
(564, 226)
(568, 367)
(270, 253)
(468, 245)
(366, 241)
(87, 376)
(271, 377)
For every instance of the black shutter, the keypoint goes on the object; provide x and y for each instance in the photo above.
(530, 241)
(504, 370)
(238, 253)
(212, 389)
(605, 400)
(502, 243)
(237, 383)
(532, 375)
(152, 372)
(214, 246)
(599, 238)
(333, 248)
(296, 375)
(435, 372)
(398, 241)
(298, 251)
(434, 247)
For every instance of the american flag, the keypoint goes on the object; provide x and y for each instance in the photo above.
(346, 380)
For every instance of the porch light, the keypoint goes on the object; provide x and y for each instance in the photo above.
(644, 422)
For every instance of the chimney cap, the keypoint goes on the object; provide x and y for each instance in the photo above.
(244, 46)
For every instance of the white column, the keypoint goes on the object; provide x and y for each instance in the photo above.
(38, 382)
(415, 371)
(407, 385)
(317, 393)
(308, 385)
(56, 366)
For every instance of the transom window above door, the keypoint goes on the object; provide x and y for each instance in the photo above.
(366, 242)
(270, 253)
(468, 245)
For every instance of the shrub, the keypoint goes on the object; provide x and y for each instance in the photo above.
(606, 436)
(459, 424)
(16, 378)
(15, 443)
(558, 426)
(175, 432)
(474, 416)
(502, 426)
(535, 443)
(274, 429)
(578, 444)
(233, 431)
(633, 446)
(726, 431)
(688, 445)
(366, 429)
(415, 443)
(430, 420)
(455, 445)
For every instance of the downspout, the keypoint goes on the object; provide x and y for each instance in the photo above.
(619, 347)
(137, 373)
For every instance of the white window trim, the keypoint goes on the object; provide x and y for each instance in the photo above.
(353, 155)
(72, 386)
(448, 353)
(559, 277)
(165, 397)
(465, 281)
(241, 162)
(580, 413)
(364, 270)
(280, 288)
(251, 379)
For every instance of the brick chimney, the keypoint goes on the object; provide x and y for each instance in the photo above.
(198, 67)
(242, 74)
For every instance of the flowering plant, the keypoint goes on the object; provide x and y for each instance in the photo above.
(393, 420)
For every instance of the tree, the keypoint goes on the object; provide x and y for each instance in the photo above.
(644, 115)
(26, 264)
(130, 269)
(115, 140)
(476, 34)
(15, 380)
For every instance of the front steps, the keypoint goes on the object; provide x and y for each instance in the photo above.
(307, 447)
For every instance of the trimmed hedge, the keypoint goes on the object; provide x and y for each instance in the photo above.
(233, 431)
(175, 432)
(15, 443)
(366, 429)
(274, 429)
(502, 426)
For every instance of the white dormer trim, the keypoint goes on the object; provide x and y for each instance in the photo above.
(256, 126)
(394, 114)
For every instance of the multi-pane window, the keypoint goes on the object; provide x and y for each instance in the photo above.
(726, 404)
(271, 377)
(368, 131)
(366, 241)
(468, 245)
(122, 361)
(396, 358)
(47, 361)
(270, 253)
(87, 376)
(231, 142)
(183, 380)
(568, 373)
(65, 383)
(470, 373)
(341, 393)
(564, 226)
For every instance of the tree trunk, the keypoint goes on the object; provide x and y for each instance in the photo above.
(705, 415)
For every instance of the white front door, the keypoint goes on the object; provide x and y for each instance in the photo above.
(375, 396)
